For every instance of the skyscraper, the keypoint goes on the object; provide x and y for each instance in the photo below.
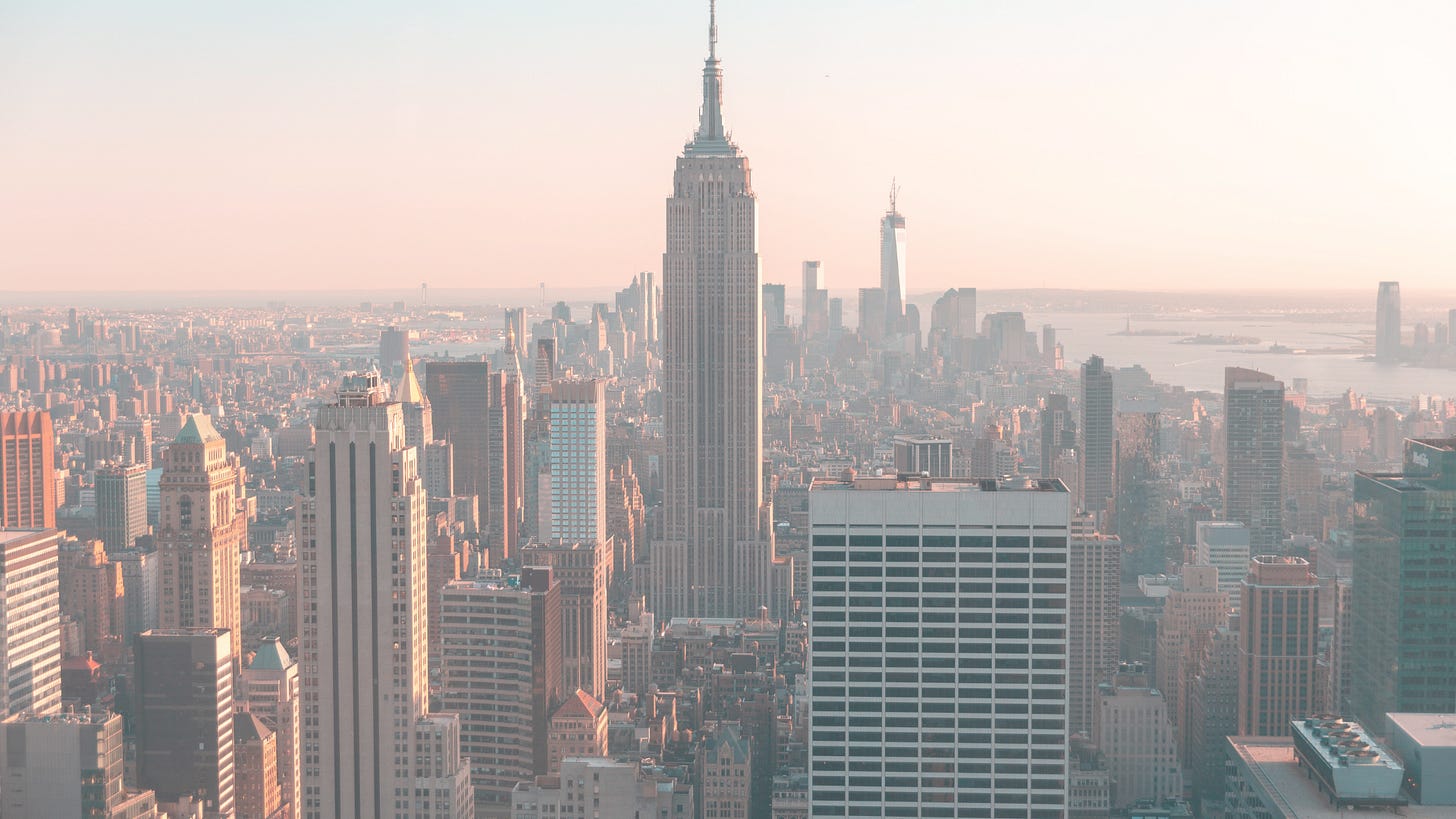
(1387, 322)
(892, 265)
(459, 395)
(30, 621)
(1094, 611)
(393, 348)
(816, 301)
(184, 716)
(773, 306)
(1278, 645)
(1253, 487)
(121, 505)
(363, 611)
(501, 651)
(27, 470)
(1403, 615)
(1224, 545)
(715, 556)
(581, 569)
(939, 645)
(1099, 434)
(201, 534)
(1058, 431)
(578, 462)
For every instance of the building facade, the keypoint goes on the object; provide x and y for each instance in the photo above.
(30, 621)
(363, 612)
(1278, 646)
(715, 557)
(184, 716)
(201, 534)
(938, 656)
(1253, 486)
(1402, 647)
(27, 470)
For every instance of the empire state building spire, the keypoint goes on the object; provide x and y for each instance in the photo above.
(711, 138)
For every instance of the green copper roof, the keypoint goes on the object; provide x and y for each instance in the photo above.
(197, 430)
(271, 656)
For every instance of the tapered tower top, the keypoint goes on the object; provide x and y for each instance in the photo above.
(711, 138)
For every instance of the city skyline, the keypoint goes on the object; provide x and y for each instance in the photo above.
(1121, 153)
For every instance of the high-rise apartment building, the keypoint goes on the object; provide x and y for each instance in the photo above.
(1099, 435)
(363, 612)
(1094, 612)
(1278, 646)
(65, 765)
(1253, 486)
(816, 301)
(184, 716)
(578, 462)
(30, 621)
(892, 266)
(1224, 545)
(201, 534)
(581, 569)
(271, 692)
(716, 555)
(1387, 322)
(937, 667)
(501, 672)
(27, 470)
(121, 505)
(1403, 611)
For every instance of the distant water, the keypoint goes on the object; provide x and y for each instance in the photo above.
(1200, 367)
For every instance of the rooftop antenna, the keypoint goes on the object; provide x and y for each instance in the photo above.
(712, 29)
(894, 194)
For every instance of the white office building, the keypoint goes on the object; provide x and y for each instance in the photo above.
(938, 666)
(578, 498)
(1224, 545)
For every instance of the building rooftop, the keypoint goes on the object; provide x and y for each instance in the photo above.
(198, 429)
(1286, 786)
(580, 705)
(923, 483)
(1427, 730)
(271, 656)
(12, 535)
(86, 716)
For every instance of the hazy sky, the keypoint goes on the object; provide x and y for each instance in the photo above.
(484, 143)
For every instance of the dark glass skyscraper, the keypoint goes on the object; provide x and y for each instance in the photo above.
(1403, 651)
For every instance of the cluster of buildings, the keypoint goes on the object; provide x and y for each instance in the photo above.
(686, 554)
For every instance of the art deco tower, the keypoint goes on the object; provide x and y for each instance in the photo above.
(715, 556)
(201, 535)
(362, 620)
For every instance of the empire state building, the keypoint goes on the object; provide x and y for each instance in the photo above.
(716, 554)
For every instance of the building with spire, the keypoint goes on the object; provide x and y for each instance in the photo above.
(892, 265)
(716, 555)
(201, 534)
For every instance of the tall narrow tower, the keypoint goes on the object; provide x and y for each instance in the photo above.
(892, 264)
(1253, 486)
(715, 556)
(201, 535)
(1387, 322)
(363, 613)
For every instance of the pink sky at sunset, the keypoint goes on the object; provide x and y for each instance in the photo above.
(1157, 145)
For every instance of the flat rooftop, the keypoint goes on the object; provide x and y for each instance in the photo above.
(1292, 793)
(12, 535)
(1427, 730)
(919, 483)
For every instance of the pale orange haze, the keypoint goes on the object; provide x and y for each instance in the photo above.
(366, 144)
